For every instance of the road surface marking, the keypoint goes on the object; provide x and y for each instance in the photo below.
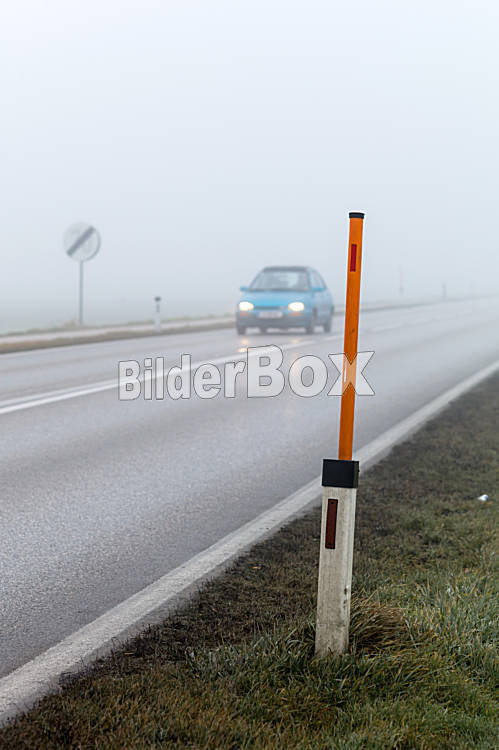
(50, 397)
(380, 329)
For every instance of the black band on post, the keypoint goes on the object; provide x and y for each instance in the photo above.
(336, 473)
(356, 215)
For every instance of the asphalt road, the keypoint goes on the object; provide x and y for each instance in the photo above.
(100, 497)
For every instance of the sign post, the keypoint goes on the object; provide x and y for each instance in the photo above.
(340, 480)
(80, 295)
(81, 242)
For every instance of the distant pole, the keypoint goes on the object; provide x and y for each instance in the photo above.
(340, 480)
(80, 305)
(157, 315)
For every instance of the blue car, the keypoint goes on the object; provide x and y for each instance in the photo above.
(285, 297)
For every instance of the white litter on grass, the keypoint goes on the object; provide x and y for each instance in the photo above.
(483, 498)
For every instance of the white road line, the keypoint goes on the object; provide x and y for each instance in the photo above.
(50, 397)
(380, 329)
(21, 688)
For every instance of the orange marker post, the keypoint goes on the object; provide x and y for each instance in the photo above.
(339, 482)
(351, 335)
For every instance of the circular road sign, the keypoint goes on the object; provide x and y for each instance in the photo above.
(81, 242)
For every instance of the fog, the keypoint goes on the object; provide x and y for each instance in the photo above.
(206, 139)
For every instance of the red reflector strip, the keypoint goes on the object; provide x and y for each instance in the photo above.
(332, 512)
(353, 258)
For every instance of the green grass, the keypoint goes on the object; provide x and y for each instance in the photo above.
(236, 668)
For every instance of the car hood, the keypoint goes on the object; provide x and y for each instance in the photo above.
(275, 299)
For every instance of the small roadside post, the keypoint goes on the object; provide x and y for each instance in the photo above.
(157, 315)
(81, 242)
(340, 480)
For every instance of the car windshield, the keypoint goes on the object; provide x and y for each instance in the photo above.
(281, 280)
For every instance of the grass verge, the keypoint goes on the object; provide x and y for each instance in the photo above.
(236, 668)
(94, 336)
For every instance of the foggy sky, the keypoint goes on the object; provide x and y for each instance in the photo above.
(208, 138)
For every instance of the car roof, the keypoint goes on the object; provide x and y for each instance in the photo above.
(287, 268)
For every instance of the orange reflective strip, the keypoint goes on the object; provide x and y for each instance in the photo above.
(351, 335)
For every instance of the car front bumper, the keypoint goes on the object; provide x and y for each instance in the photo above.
(268, 319)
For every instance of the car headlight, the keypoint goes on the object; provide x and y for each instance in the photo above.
(246, 306)
(296, 306)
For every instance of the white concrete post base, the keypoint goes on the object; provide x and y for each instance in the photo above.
(335, 570)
